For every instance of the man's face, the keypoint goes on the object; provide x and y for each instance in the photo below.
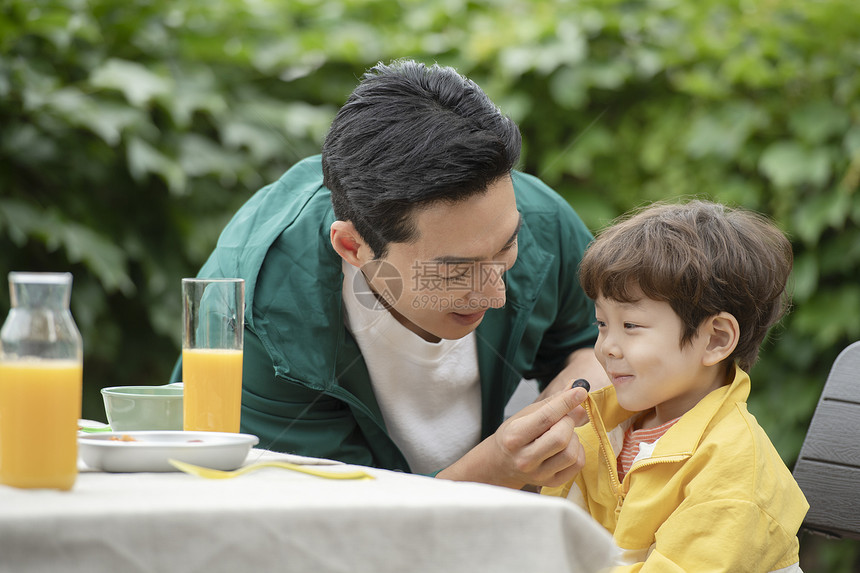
(452, 274)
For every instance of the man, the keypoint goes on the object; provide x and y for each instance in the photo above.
(400, 286)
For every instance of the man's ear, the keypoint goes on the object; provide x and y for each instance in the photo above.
(723, 333)
(347, 242)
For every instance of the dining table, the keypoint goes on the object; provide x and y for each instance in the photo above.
(280, 520)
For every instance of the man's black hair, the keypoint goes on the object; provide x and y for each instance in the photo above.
(409, 136)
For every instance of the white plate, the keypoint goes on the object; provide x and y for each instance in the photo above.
(148, 451)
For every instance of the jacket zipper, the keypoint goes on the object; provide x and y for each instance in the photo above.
(616, 485)
(654, 461)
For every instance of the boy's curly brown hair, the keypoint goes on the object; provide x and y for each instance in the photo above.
(702, 258)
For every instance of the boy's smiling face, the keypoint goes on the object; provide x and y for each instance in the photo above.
(639, 346)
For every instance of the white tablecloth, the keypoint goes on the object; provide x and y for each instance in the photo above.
(278, 520)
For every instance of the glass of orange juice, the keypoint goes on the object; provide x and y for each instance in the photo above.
(212, 327)
(41, 375)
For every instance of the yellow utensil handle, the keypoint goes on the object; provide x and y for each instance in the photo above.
(210, 473)
(352, 474)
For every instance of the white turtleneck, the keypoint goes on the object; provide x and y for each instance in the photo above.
(429, 393)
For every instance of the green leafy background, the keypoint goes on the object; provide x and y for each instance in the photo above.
(131, 131)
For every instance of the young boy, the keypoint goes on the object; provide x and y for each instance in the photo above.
(676, 467)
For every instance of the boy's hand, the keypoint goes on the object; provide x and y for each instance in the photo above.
(536, 446)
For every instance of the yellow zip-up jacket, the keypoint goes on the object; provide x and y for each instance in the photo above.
(712, 495)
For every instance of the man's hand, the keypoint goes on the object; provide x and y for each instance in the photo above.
(536, 446)
(580, 364)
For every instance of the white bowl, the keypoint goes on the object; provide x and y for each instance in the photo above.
(149, 451)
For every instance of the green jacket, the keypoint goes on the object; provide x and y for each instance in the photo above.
(306, 388)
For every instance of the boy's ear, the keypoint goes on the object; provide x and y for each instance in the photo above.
(347, 242)
(723, 333)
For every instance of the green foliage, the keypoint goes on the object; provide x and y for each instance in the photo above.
(130, 131)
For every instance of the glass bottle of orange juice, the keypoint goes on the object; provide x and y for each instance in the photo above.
(41, 374)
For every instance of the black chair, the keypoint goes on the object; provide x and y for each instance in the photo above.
(828, 468)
